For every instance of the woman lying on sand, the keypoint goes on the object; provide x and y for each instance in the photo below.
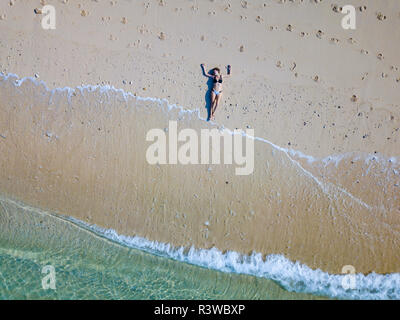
(216, 93)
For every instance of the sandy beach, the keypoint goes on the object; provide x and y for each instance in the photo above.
(323, 100)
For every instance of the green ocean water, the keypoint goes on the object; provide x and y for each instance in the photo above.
(88, 266)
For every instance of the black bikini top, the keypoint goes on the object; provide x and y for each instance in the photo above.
(220, 80)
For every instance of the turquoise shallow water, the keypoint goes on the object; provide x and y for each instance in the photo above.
(88, 266)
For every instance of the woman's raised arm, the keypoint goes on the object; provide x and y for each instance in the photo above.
(203, 68)
(228, 70)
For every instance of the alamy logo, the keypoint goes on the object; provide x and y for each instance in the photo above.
(188, 153)
(349, 20)
(49, 20)
(49, 281)
(349, 280)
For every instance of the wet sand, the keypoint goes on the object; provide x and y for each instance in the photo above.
(331, 95)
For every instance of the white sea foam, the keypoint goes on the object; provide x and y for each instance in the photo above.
(293, 276)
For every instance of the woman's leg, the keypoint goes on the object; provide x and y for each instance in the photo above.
(217, 99)
(213, 101)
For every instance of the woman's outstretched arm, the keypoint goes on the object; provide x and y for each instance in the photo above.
(206, 74)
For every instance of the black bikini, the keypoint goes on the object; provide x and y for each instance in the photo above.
(215, 81)
(220, 80)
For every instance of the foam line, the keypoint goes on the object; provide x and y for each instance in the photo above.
(293, 276)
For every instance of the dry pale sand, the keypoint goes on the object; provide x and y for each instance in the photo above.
(299, 80)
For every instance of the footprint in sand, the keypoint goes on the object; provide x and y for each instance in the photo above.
(364, 76)
(380, 16)
(336, 8)
(228, 8)
(319, 34)
(134, 44)
(162, 36)
(143, 29)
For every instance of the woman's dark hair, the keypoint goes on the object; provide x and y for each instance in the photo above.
(216, 69)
